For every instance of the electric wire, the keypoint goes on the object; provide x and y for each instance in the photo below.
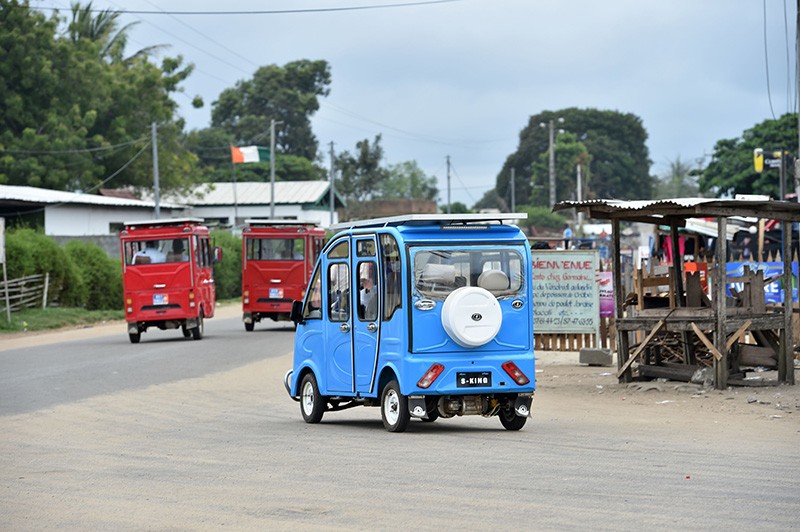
(88, 190)
(75, 150)
(283, 11)
(766, 60)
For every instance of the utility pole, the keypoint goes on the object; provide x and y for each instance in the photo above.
(332, 193)
(156, 191)
(513, 198)
(551, 148)
(552, 165)
(448, 182)
(797, 108)
(580, 198)
(272, 169)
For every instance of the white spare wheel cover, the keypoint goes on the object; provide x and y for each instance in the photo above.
(471, 316)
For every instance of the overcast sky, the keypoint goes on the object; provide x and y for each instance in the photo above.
(462, 78)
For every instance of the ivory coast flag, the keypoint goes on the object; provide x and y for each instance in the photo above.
(249, 154)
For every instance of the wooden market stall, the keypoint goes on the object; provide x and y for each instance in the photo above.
(719, 323)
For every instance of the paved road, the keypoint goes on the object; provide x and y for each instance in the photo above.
(175, 434)
(37, 377)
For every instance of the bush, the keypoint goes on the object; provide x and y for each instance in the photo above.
(228, 273)
(31, 253)
(101, 275)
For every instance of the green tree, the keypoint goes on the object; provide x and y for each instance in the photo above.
(407, 180)
(731, 170)
(361, 174)
(677, 182)
(616, 143)
(569, 154)
(71, 119)
(287, 94)
(103, 28)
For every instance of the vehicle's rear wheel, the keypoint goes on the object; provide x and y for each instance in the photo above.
(510, 419)
(249, 326)
(197, 332)
(312, 404)
(135, 337)
(394, 408)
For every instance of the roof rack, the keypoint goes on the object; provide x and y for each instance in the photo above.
(431, 219)
(165, 222)
(266, 221)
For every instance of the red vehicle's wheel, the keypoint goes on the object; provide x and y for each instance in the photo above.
(197, 332)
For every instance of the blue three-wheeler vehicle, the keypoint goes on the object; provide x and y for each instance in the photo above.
(426, 316)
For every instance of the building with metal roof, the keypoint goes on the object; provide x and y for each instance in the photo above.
(74, 214)
(230, 204)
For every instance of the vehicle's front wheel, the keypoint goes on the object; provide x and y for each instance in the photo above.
(511, 420)
(394, 408)
(312, 404)
(186, 332)
(249, 326)
(135, 337)
(197, 332)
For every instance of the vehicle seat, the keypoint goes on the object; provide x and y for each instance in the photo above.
(493, 280)
(141, 259)
(441, 274)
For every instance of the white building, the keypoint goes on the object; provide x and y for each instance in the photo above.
(76, 215)
(230, 204)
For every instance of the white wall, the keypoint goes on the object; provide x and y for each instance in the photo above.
(92, 220)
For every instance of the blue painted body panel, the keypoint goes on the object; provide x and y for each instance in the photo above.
(350, 363)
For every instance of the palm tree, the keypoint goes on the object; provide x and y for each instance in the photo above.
(102, 29)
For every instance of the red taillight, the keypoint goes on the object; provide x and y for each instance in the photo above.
(433, 372)
(515, 373)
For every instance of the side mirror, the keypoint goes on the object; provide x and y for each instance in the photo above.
(296, 315)
(217, 254)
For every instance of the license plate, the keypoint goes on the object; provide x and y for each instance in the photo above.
(472, 379)
(276, 293)
(160, 299)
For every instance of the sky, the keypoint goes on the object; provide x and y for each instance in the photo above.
(461, 79)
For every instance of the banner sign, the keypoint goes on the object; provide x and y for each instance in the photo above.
(566, 291)
(773, 291)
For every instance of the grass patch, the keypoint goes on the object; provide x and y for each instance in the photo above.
(38, 319)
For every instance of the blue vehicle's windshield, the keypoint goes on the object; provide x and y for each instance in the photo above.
(438, 272)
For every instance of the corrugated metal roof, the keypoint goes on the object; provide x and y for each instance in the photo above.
(686, 208)
(50, 197)
(257, 193)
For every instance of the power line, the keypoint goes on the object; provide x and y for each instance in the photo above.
(75, 150)
(766, 61)
(279, 11)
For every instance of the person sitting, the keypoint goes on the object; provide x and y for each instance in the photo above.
(177, 254)
(368, 303)
(150, 254)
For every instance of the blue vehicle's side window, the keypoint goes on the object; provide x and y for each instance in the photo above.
(313, 307)
(392, 280)
(339, 292)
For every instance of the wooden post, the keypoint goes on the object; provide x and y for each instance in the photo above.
(785, 356)
(46, 286)
(721, 365)
(619, 298)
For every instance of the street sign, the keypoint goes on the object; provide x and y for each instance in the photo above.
(758, 160)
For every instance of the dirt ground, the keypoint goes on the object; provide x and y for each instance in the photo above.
(190, 454)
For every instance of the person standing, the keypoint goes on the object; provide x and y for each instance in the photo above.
(567, 235)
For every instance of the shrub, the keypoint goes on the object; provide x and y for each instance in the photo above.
(542, 217)
(31, 253)
(228, 273)
(102, 275)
